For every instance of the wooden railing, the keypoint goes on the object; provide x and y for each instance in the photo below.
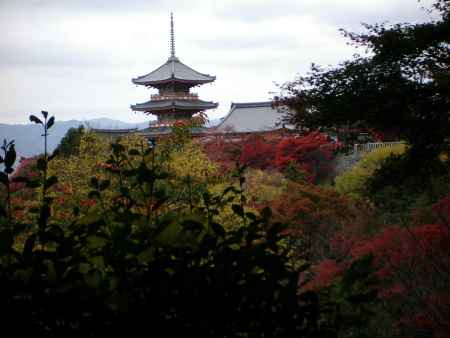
(367, 147)
(174, 96)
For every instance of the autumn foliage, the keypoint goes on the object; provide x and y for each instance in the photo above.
(411, 264)
(310, 153)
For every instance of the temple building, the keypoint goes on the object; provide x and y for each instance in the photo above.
(174, 101)
(251, 117)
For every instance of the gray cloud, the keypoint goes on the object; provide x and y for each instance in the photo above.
(104, 6)
(47, 53)
(344, 13)
(77, 56)
(242, 42)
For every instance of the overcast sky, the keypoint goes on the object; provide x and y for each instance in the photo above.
(76, 58)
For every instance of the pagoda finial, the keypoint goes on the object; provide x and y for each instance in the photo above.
(172, 37)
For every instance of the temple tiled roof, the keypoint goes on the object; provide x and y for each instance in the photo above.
(155, 105)
(251, 117)
(173, 71)
(113, 131)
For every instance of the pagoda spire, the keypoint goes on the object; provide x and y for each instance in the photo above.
(172, 37)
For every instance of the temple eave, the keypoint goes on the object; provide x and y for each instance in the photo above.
(171, 106)
(171, 80)
(169, 110)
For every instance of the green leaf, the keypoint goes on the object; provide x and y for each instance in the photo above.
(6, 241)
(91, 218)
(238, 210)
(33, 184)
(125, 191)
(35, 119)
(4, 179)
(159, 203)
(134, 152)
(20, 179)
(192, 225)
(29, 247)
(96, 242)
(3, 212)
(98, 262)
(359, 270)
(276, 228)
(170, 234)
(93, 194)
(162, 175)
(84, 268)
(34, 210)
(44, 215)
(147, 255)
(104, 185)
(76, 211)
(266, 213)
(51, 181)
(50, 122)
(218, 229)
(117, 148)
(251, 216)
(94, 182)
(10, 157)
(41, 163)
(51, 271)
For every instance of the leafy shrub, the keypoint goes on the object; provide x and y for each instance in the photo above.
(353, 181)
(133, 265)
(311, 153)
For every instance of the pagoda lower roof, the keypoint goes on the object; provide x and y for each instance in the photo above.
(160, 131)
(161, 105)
(113, 131)
(173, 71)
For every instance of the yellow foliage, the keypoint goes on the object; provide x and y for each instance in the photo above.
(74, 172)
(261, 188)
(352, 181)
(191, 161)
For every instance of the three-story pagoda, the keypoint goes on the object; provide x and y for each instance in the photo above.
(174, 101)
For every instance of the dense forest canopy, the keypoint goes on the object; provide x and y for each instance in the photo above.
(402, 84)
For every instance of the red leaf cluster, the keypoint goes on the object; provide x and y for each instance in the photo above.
(412, 266)
(310, 153)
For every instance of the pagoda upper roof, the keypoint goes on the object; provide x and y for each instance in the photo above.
(173, 71)
(160, 105)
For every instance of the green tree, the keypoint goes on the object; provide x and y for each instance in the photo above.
(70, 143)
(401, 86)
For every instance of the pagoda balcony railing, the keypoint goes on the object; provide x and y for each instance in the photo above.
(174, 96)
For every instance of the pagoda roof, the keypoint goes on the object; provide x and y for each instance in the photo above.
(159, 131)
(156, 105)
(251, 117)
(113, 131)
(173, 71)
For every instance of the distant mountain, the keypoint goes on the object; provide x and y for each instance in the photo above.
(28, 138)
